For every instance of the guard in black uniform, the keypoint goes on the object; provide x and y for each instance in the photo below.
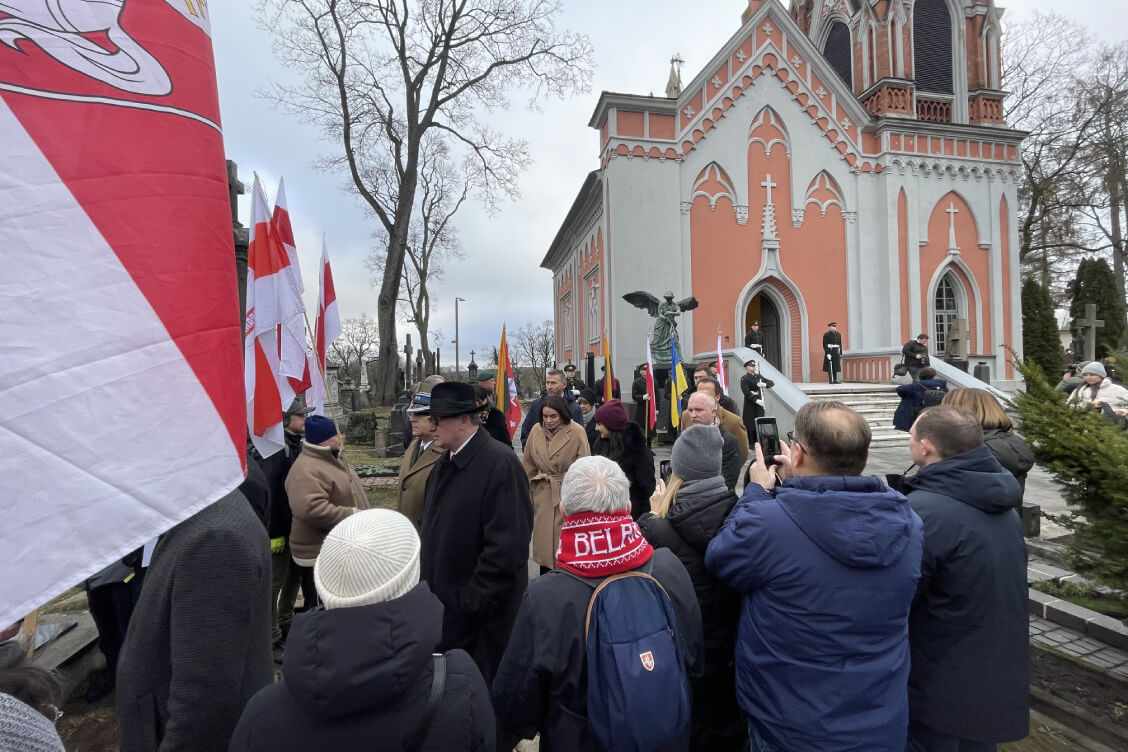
(755, 339)
(832, 348)
(752, 386)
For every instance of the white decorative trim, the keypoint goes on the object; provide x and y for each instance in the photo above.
(846, 123)
(686, 206)
(768, 28)
(820, 93)
(740, 56)
(741, 214)
(797, 217)
(796, 61)
(716, 82)
(689, 112)
(850, 216)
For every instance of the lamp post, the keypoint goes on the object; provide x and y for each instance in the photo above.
(457, 362)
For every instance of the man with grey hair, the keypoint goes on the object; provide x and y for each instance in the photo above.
(702, 411)
(827, 563)
(541, 683)
(554, 386)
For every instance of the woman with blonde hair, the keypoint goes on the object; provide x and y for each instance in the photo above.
(554, 444)
(1010, 449)
(686, 514)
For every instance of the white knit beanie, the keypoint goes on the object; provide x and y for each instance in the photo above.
(370, 557)
(23, 729)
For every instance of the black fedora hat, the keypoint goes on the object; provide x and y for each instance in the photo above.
(451, 398)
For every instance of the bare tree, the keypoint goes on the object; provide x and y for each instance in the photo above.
(381, 76)
(534, 346)
(359, 337)
(432, 240)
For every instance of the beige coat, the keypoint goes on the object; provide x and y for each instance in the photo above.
(545, 463)
(323, 491)
(412, 482)
(732, 423)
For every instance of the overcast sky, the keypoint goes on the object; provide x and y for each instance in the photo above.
(500, 278)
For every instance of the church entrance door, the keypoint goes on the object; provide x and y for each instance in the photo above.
(761, 308)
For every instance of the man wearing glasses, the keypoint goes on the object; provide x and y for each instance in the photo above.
(827, 563)
(477, 523)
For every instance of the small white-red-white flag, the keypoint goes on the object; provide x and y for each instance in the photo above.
(326, 330)
(722, 377)
(292, 360)
(651, 392)
(270, 300)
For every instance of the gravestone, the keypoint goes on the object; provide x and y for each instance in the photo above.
(1090, 324)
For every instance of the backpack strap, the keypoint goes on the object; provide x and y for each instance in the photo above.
(438, 684)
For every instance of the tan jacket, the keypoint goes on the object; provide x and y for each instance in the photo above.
(545, 464)
(323, 491)
(732, 423)
(412, 483)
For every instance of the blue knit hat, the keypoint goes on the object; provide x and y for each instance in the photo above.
(318, 428)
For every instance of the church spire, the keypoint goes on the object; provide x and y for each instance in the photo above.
(674, 84)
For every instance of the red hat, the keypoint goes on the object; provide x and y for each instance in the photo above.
(613, 415)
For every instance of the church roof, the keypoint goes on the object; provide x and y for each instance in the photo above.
(592, 189)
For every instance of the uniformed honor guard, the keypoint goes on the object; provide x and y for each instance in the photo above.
(832, 347)
(755, 338)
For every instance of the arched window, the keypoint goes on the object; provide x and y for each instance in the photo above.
(932, 46)
(838, 51)
(946, 309)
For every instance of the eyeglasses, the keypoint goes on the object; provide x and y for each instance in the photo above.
(792, 440)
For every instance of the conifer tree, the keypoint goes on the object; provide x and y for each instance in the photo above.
(1095, 283)
(1040, 341)
(1086, 453)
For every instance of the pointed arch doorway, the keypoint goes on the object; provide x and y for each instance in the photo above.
(763, 309)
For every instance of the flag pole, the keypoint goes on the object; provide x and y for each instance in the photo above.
(324, 385)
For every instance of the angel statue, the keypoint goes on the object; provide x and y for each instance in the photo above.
(665, 325)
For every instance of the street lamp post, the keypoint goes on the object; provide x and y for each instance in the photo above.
(457, 362)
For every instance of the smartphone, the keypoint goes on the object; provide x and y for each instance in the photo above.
(664, 471)
(768, 434)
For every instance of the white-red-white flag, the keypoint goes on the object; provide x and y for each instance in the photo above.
(292, 360)
(326, 330)
(270, 301)
(651, 392)
(121, 406)
(722, 375)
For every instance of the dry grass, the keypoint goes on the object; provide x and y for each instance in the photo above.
(72, 601)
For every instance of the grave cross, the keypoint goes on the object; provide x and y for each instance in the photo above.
(1092, 323)
(407, 362)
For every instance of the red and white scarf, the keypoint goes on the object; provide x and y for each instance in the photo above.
(598, 544)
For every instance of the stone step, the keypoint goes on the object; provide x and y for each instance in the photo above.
(875, 402)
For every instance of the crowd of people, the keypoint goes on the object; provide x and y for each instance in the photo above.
(742, 602)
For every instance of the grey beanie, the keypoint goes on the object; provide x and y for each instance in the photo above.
(23, 729)
(697, 453)
(1094, 366)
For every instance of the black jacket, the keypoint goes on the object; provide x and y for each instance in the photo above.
(255, 487)
(968, 628)
(638, 465)
(496, 428)
(912, 400)
(910, 350)
(358, 679)
(1012, 452)
(698, 511)
(542, 683)
(476, 527)
(730, 458)
(276, 467)
(638, 394)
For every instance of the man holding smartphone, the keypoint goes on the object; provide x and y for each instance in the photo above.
(827, 562)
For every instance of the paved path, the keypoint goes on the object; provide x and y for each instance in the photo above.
(1074, 643)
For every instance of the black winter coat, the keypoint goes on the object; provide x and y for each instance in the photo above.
(542, 683)
(358, 679)
(1012, 452)
(277, 467)
(496, 428)
(476, 527)
(637, 463)
(912, 399)
(638, 394)
(698, 511)
(968, 628)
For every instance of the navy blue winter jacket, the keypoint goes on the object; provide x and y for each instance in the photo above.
(912, 399)
(969, 628)
(827, 567)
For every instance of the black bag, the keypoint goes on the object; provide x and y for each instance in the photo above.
(438, 683)
(900, 369)
(931, 398)
(897, 482)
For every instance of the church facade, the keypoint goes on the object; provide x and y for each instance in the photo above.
(838, 160)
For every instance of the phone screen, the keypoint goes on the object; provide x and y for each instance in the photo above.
(769, 439)
(664, 470)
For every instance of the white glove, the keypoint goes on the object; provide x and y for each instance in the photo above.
(645, 397)
(760, 402)
(829, 356)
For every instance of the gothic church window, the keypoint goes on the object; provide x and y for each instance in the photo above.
(838, 52)
(932, 46)
(946, 308)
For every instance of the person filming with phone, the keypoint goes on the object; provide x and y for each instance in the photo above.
(827, 562)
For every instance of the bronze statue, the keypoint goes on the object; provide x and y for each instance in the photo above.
(665, 324)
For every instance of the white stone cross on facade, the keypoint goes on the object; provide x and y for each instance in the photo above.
(952, 212)
(769, 185)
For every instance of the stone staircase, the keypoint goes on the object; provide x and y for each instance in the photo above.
(876, 402)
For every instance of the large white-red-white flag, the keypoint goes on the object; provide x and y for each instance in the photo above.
(271, 301)
(121, 406)
(292, 349)
(326, 330)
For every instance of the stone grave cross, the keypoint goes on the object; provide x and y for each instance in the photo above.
(1091, 323)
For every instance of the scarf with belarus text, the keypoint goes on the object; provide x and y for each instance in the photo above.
(599, 544)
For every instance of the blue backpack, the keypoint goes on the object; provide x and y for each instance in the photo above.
(638, 696)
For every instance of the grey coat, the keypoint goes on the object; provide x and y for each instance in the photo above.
(198, 645)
